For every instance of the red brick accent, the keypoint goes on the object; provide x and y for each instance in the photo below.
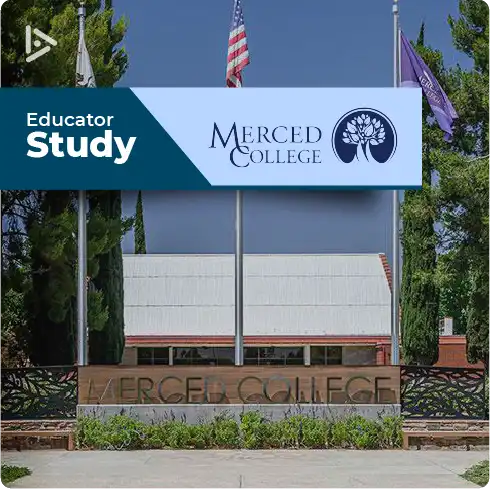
(453, 354)
(144, 340)
(386, 266)
(380, 354)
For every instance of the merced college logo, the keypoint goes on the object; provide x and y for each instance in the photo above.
(265, 145)
(364, 135)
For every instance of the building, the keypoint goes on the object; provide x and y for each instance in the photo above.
(318, 309)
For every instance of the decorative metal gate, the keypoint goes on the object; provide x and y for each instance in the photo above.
(443, 392)
(39, 393)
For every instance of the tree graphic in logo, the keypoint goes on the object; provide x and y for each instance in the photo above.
(364, 132)
(364, 135)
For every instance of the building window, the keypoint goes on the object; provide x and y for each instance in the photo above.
(343, 355)
(274, 355)
(326, 355)
(204, 356)
(359, 355)
(153, 356)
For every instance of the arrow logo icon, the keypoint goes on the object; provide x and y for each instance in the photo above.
(37, 43)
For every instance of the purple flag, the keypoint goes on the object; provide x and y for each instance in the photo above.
(415, 73)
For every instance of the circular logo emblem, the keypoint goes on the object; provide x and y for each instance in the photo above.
(364, 135)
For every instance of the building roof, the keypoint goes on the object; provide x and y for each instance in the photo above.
(284, 295)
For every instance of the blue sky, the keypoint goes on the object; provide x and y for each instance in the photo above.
(292, 43)
(312, 43)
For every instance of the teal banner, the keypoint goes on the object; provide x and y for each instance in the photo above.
(120, 145)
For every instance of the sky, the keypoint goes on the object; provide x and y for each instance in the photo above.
(308, 43)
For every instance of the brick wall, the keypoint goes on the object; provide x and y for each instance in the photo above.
(454, 355)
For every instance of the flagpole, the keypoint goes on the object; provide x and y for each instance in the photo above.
(82, 279)
(236, 61)
(395, 295)
(238, 279)
(82, 250)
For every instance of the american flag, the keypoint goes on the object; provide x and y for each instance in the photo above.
(238, 56)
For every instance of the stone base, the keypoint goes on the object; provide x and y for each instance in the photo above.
(38, 425)
(199, 413)
(444, 425)
(34, 442)
(447, 425)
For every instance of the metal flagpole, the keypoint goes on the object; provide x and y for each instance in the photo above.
(82, 250)
(395, 295)
(237, 59)
(238, 280)
(82, 279)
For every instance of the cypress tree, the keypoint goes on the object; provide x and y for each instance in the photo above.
(106, 345)
(420, 292)
(470, 193)
(51, 263)
(49, 302)
(139, 228)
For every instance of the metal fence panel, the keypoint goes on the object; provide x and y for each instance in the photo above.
(443, 392)
(39, 393)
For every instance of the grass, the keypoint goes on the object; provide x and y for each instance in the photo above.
(478, 474)
(12, 472)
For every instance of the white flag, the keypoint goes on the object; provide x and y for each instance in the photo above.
(85, 73)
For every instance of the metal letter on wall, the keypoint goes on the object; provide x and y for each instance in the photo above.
(244, 385)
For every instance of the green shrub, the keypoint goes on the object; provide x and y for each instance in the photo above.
(117, 433)
(478, 474)
(11, 473)
(390, 435)
(202, 436)
(314, 432)
(170, 434)
(486, 397)
(225, 432)
(362, 433)
(254, 431)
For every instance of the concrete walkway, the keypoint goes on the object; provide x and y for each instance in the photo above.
(261, 468)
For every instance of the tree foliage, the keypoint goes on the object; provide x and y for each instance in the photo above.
(139, 227)
(40, 227)
(463, 190)
(59, 19)
(106, 344)
(420, 291)
(458, 196)
(53, 299)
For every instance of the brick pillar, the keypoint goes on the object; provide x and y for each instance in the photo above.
(380, 354)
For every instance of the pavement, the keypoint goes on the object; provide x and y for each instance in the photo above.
(240, 468)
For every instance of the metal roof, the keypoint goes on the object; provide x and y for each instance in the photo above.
(193, 295)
